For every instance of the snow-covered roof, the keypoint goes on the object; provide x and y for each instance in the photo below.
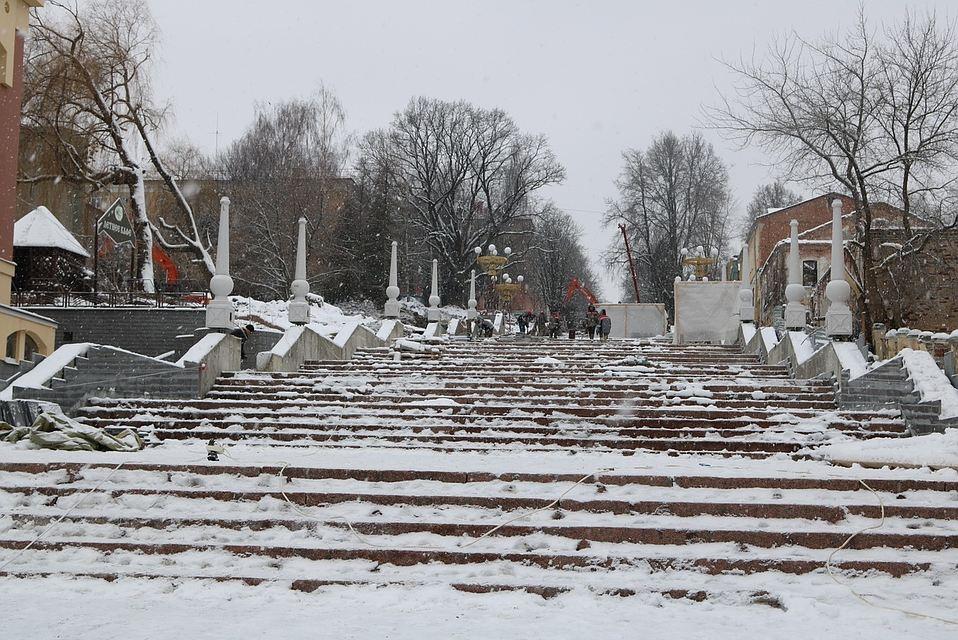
(40, 228)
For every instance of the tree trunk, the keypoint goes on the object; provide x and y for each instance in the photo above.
(144, 235)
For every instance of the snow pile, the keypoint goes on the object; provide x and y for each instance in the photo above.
(550, 361)
(935, 450)
(439, 402)
(851, 358)
(415, 307)
(930, 381)
(327, 319)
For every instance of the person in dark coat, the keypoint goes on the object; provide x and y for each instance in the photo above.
(605, 325)
(523, 324)
(541, 323)
(591, 321)
(554, 324)
(243, 333)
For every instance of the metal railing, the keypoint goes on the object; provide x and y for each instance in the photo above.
(67, 299)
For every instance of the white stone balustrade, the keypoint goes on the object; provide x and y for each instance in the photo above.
(794, 292)
(391, 308)
(220, 312)
(433, 314)
(838, 318)
(298, 308)
(745, 297)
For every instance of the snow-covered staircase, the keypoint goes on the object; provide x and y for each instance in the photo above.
(623, 467)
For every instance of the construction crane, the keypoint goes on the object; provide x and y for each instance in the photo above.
(628, 253)
(576, 286)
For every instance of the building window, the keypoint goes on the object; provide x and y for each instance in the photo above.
(810, 273)
(11, 350)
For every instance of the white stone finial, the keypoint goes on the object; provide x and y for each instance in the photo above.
(391, 308)
(298, 309)
(838, 318)
(746, 301)
(794, 292)
(471, 312)
(433, 314)
(219, 312)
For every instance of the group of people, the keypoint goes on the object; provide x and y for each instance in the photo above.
(596, 324)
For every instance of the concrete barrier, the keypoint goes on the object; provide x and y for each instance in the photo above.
(304, 342)
(298, 344)
(212, 355)
(706, 312)
(637, 320)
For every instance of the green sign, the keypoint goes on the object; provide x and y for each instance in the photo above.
(116, 224)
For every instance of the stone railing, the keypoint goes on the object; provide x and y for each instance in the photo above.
(888, 343)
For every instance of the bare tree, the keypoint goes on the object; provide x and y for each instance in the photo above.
(767, 197)
(466, 176)
(877, 116)
(672, 195)
(288, 164)
(88, 99)
(556, 256)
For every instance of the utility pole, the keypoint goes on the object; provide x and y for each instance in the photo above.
(628, 253)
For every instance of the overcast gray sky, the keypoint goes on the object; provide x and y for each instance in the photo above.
(595, 77)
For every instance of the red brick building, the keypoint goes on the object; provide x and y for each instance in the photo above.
(21, 333)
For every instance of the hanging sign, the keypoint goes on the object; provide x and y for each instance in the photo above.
(116, 225)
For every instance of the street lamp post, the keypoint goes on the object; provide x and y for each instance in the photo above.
(700, 263)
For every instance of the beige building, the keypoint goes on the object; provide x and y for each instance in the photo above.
(21, 334)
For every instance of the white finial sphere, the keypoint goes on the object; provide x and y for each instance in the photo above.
(520, 279)
(492, 247)
(508, 251)
(478, 250)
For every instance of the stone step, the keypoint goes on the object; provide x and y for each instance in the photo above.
(406, 557)
(309, 585)
(700, 445)
(286, 382)
(670, 430)
(131, 407)
(376, 400)
(776, 514)
(331, 393)
(650, 535)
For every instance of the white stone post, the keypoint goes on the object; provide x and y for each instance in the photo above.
(746, 301)
(471, 311)
(838, 318)
(219, 312)
(391, 307)
(433, 314)
(298, 309)
(794, 292)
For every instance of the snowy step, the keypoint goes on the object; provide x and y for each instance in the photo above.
(651, 429)
(720, 564)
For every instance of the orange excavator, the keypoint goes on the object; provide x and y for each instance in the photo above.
(576, 286)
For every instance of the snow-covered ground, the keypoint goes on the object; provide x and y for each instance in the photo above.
(208, 512)
(133, 609)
